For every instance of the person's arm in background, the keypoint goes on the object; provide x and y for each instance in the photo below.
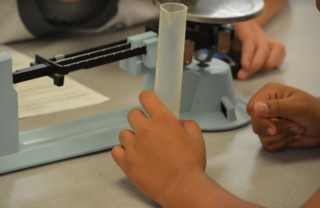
(272, 7)
(259, 53)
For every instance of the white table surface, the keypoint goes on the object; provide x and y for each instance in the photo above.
(236, 159)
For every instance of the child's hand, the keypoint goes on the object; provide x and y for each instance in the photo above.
(161, 151)
(284, 116)
(259, 53)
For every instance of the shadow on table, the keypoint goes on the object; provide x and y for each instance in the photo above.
(286, 178)
(130, 190)
(291, 155)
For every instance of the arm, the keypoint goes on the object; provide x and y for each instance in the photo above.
(166, 159)
(259, 53)
(314, 201)
(202, 192)
(272, 7)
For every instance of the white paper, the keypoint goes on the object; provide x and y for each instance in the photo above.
(40, 96)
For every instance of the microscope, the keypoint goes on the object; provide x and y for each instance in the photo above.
(207, 94)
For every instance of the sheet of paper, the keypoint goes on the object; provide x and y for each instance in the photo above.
(40, 96)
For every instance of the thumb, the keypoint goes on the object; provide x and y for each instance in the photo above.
(276, 108)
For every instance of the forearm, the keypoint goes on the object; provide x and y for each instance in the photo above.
(198, 190)
(314, 201)
(317, 110)
(272, 7)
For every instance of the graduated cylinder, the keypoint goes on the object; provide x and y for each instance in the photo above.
(169, 68)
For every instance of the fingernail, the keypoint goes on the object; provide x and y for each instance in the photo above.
(294, 129)
(248, 63)
(297, 137)
(262, 107)
(270, 131)
(243, 74)
(299, 131)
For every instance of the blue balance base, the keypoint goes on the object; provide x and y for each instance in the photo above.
(66, 140)
(44, 145)
(216, 121)
(207, 97)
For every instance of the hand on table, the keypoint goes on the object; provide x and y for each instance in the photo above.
(161, 150)
(259, 53)
(284, 116)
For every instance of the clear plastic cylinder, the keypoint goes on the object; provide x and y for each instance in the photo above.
(171, 40)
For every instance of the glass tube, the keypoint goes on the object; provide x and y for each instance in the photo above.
(171, 40)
